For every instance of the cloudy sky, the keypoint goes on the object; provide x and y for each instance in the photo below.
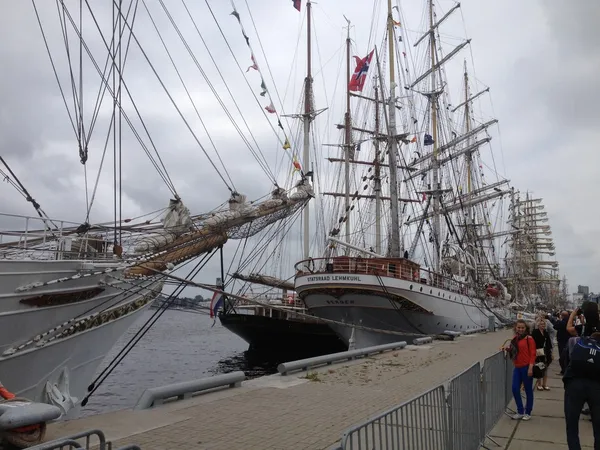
(538, 57)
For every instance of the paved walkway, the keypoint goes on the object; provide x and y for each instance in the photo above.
(546, 429)
(292, 412)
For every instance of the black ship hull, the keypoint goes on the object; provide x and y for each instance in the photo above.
(277, 335)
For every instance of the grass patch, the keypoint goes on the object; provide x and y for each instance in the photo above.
(312, 376)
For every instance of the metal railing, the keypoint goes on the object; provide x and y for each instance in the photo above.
(318, 361)
(187, 389)
(74, 443)
(386, 267)
(458, 415)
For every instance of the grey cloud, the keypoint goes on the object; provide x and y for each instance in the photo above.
(540, 66)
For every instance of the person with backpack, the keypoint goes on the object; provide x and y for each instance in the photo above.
(582, 385)
(522, 352)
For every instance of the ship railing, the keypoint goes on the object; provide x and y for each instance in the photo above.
(391, 268)
(49, 239)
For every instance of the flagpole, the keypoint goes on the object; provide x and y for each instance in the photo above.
(308, 112)
(347, 140)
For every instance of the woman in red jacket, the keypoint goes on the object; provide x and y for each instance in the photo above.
(522, 351)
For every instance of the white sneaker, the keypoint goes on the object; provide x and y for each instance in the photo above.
(517, 416)
(526, 417)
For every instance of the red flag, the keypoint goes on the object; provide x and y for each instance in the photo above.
(270, 108)
(297, 4)
(360, 73)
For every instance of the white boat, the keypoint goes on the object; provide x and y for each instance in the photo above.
(70, 290)
(429, 260)
(384, 300)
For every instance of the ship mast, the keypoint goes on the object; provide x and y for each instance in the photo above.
(307, 118)
(377, 176)
(468, 155)
(393, 144)
(435, 162)
(347, 141)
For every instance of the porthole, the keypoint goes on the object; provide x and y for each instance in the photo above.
(410, 287)
(431, 291)
(421, 289)
(438, 323)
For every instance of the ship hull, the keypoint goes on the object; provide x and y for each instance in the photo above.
(381, 309)
(276, 335)
(34, 372)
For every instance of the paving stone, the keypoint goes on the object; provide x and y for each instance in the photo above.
(302, 415)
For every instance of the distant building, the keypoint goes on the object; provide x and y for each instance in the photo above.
(585, 290)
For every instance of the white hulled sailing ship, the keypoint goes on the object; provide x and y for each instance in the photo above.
(69, 291)
(436, 270)
(532, 272)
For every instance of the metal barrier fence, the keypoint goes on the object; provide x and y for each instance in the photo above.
(74, 442)
(458, 416)
(495, 381)
(420, 423)
(464, 409)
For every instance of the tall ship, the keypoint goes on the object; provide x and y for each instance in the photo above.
(70, 289)
(276, 322)
(272, 319)
(415, 248)
(531, 268)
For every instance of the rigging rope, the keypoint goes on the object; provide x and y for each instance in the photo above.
(189, 96)
(162, 172)
(93, 387)
(261, 163)
(279, 124)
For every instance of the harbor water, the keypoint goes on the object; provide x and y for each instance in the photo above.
(180, 346)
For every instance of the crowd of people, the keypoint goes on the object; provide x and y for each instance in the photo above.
(532, 350)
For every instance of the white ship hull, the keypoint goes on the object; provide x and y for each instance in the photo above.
(389, 309)
(58, 321)
(27, 310)
(60, 370)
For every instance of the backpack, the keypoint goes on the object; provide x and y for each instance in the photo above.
(584, 359)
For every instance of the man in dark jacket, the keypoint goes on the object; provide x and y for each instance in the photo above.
(562, 337)
(580, 388)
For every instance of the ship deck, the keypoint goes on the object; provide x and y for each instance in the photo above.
(295, 411)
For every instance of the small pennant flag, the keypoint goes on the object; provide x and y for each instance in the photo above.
(414, 139)
(254, 65)
(297, 4)
(297, 166)
(270, 108)
(286, 145)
